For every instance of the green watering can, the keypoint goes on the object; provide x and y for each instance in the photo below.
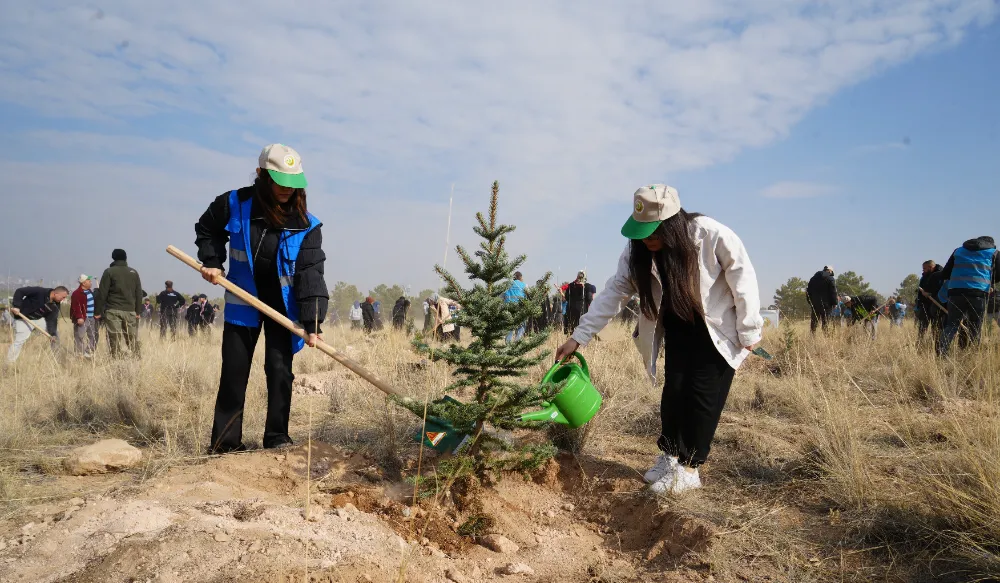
(574, 405)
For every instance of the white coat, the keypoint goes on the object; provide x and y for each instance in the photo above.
(729, 298)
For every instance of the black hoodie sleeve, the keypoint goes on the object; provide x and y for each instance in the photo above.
(211, 235)
(946, 272)
(310, 284)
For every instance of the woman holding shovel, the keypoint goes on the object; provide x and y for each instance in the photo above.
(275, 253)
(698, 298)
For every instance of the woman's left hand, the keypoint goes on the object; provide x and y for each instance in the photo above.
(752, 346)
(313, 338)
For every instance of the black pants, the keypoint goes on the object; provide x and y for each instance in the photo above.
(238, 343)
(697, 385)
(929, 317)
(819, 313)
(573, 313)
(166, 319)
(965, 318)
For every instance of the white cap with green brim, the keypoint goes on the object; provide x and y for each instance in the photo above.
(651, 205)
(283, 164)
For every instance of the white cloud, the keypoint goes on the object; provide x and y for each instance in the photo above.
(570, 105)
(787, 190)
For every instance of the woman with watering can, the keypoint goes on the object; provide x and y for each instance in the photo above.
(698, 298)
(275, 254)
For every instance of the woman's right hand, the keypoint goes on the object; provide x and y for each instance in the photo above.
(566, 350)
(211, 275)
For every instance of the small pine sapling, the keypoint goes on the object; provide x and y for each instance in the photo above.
(489, 365)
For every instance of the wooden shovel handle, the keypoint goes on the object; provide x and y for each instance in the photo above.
(33, 325)
(298, 331)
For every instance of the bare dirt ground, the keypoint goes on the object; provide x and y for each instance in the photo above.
(242, 518)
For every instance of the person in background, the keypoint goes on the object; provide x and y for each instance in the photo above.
(822, 295)
(146, 316)
(399, 311)
(589, 291)
(542, 321)
(897, 311)
(119, 303)
(81, 312)
(971, 272)
(275, 249)
(576, 293)
(191, 316)
(41, 306)
(206, 315)
(169, 303)
(441, 311)
(355, 316)
(865, 309)
(515, 293)
(428, 320)
(926, 310)
(368, 314)
(699, 300)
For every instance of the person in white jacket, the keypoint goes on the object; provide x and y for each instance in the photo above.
(698, 299)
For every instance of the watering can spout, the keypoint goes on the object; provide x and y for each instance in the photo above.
(549, 412)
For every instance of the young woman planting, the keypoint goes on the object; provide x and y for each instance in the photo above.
(698, 297)
(276, 254)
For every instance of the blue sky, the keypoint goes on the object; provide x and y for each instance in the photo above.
(860, 135)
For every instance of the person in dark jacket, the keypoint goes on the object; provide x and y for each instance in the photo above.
(119, 304)
(971, 273)
(200, 315)
(399, 313)
(864, 309)
(41, 306)
(822, 295)
(275, 253)
(368, 314)
(576, 297)
(925, 309)
(169, 302)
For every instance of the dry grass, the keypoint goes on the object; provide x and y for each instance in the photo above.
(842, 459)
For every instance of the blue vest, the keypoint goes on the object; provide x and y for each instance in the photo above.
(239, 312)
(972, 269)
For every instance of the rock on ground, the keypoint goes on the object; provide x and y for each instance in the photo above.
(103, 456)
(517, 569)
(500, 544)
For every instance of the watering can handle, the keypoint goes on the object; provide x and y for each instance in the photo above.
(555, 367)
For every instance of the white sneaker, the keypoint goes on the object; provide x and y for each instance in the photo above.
(680, 481)
(665, 464)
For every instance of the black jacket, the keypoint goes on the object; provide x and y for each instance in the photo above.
(168, 302)
(399, 310)
(368, 315)
(311, 292)
(977, 244)
(34, 303)
(822, 289)
(931, 283)
(869, 304)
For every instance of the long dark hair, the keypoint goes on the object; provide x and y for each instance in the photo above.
(274, 212)
(678, 266)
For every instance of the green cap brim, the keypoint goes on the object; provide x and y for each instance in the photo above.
(633, 229)
(288, 180)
